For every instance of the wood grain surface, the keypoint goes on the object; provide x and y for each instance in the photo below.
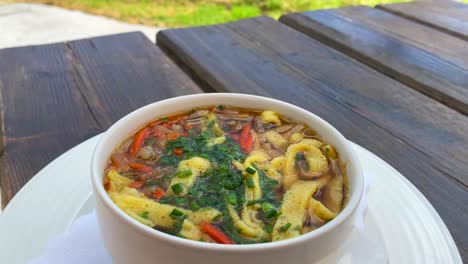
(58, 95)
(398, 47)
(447, 16)
(425, 140)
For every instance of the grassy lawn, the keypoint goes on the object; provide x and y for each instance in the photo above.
(175, 13)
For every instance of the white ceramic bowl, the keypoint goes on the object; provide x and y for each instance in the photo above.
(128, 241)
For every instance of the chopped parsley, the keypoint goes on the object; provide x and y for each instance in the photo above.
(285, 227)
(177, 214)
(250, 170)
(144, 215)
(178, 188)
(184, 174)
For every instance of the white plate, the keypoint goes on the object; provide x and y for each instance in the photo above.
(400, 225)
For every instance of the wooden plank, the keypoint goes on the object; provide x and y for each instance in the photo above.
(405, 128)
(55, 96)
(43, 112)
(400, 48)
(121, 73)
(447, 16)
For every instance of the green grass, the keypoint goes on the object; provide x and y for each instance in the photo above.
(174, 13)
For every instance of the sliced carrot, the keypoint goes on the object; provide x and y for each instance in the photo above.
(244, 135)
(138, 140)
(247, 147)
(178, 151)
(140, 167)
(137, 184)
(172, 136)
(188, 127)
(216, 234)
(246, 138)
(159, 193)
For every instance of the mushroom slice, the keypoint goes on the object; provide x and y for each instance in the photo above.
(259, 124)
(333, 191)
(284, 128)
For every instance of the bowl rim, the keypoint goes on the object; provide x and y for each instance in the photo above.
(101, 194)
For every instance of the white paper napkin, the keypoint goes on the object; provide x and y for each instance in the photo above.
(82, 243)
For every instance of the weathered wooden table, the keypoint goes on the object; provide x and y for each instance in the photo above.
(393, 79)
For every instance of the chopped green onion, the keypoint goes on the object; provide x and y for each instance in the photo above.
(177, 214)
(255, 202)
(266, 207)
(184, 173)
(195, 206)
(164, 119)
(220, 107)
(177, 188)
(206, 156)
(231, 199)
(269, 211)
(285, 227)
(250, 170)
(145, 215)
(250, 183)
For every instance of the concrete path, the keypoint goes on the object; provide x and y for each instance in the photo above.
(31, 24)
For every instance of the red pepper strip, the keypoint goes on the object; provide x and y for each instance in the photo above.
(248, 144)
(137, 184)
(140, 167)
(159, 193)
(172, 136)
(216, 234)
(138, 140)
(178, 151)
(244, 137)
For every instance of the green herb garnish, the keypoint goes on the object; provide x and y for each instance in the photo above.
(144, 215)
(195, 206)
(177, 214)
(250, 183)
(231, 199)
(269, 211)
(250, 170)
(178, 188)
(285, 227)
(184, 173)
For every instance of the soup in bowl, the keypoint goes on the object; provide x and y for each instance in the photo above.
(208, 174)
